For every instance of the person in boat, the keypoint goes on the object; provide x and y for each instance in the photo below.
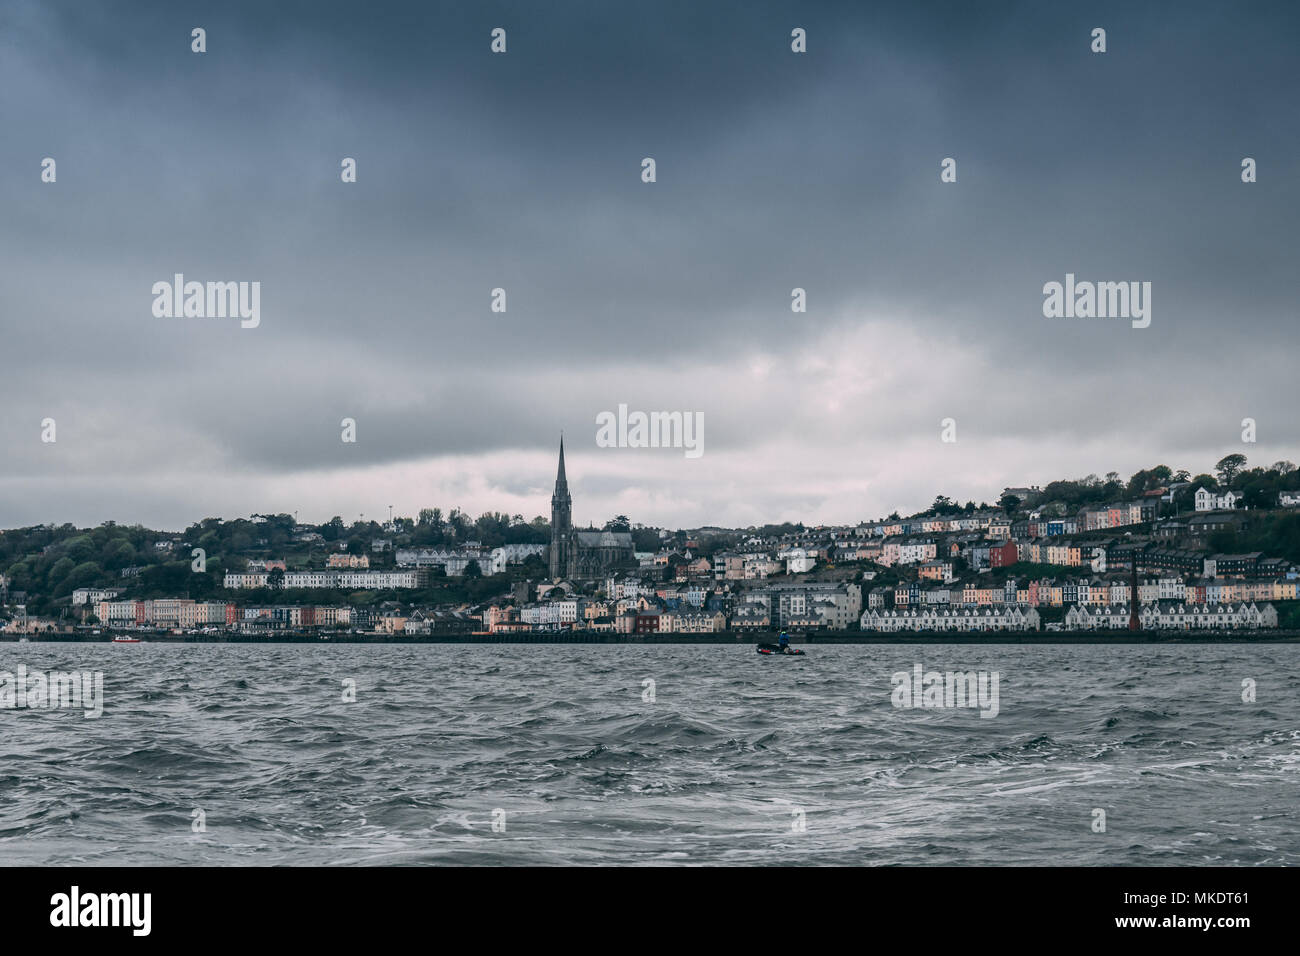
(784, 643)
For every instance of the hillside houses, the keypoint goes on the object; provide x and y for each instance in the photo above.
(971, 568)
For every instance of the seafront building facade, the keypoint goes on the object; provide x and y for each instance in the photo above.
(1173, 616)
(964, 619)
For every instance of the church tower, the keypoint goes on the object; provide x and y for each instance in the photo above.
(562, 557)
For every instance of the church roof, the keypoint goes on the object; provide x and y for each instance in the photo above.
(604, 539)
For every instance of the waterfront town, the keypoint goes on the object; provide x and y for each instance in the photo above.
(1211, 552)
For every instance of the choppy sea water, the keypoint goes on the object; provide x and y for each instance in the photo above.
(738, 759)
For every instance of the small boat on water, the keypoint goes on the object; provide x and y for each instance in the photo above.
(776, 650)
(780, 649)
(126, 640)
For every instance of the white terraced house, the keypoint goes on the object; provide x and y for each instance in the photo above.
(692, 622)
(540, 614)
(1207, 500)
(1004, 617)
(627, 588)
(93, 596)
(797, 560)
(352, 580)
(915, 552)
(453, 563)
(1172, 616)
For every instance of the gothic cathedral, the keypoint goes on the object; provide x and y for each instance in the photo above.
(582, 554)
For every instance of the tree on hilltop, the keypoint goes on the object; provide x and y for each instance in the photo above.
(1228, 467)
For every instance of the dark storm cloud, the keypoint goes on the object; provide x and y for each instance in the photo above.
(522, 171)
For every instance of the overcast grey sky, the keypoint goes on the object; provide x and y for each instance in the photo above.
(522, 171)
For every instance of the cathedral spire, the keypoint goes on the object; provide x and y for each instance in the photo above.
(560, 481)
(562, 541)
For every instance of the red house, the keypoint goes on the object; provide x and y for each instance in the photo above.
(1003, 555)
